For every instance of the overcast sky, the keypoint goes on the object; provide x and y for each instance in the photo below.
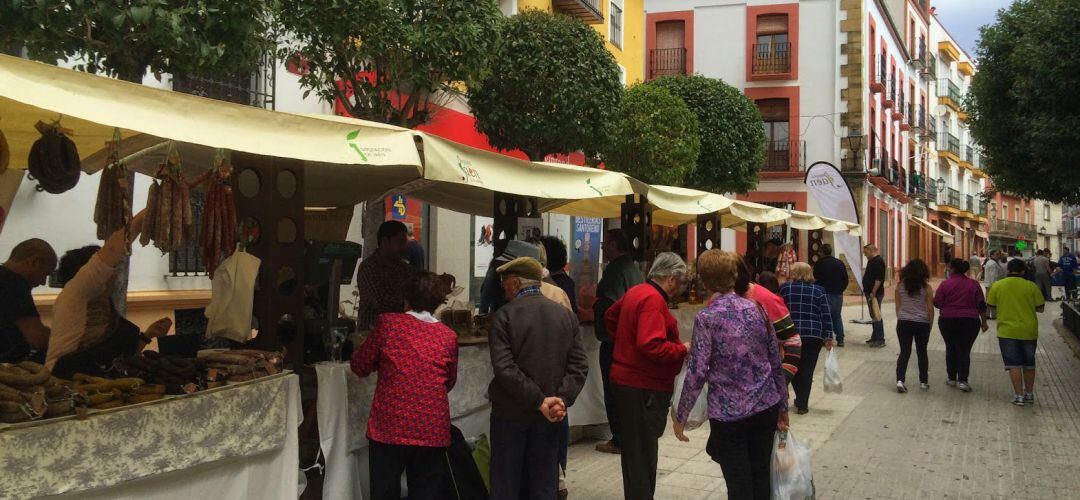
(964, 17)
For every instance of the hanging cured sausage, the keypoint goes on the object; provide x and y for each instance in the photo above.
(113, 208)
(218, 238)
(169, 224)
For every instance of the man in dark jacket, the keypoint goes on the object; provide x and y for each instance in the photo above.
(830, 273)
(540, 367)
(620, 275)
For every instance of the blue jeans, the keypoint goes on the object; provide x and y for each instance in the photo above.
(836, 306)
(878, 325)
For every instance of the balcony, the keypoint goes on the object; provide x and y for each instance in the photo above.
(664, 62)
(967, 160)
(1013, 230)
(948, 146)
(889, 98)
(950, 198)
(930, 133)
(919, 61)
(588, 11)
(785, 156)
(901, 105)
(969, 204)
(980, 208)
(949, 95)
(920, 189)
(930, 70)
(881, 75)
(771, 59)
(916, 118)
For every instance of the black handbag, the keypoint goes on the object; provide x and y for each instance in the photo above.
(54, 161)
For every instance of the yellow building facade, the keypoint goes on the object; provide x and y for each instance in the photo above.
(620, 22)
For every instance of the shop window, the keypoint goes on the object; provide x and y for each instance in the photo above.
(772, 49)
(615, 23)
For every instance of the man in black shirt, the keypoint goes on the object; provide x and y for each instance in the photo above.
(873, 285)
(830, 273)
(22, 335)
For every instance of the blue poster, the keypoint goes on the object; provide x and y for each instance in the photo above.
(585, 254)
(399, 207)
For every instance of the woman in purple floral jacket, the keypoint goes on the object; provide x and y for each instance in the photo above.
(735, 351)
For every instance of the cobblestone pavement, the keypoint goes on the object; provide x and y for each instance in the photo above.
(871, 442)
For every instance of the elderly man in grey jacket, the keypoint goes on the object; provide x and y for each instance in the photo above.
(540, 367)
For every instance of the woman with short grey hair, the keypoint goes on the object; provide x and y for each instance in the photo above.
(648, 355)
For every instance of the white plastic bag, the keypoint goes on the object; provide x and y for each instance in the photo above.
(832, 373)
(791, 471)
(699, 414)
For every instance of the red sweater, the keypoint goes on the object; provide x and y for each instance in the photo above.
(648, 353)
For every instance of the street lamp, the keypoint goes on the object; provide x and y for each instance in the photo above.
(855, 144)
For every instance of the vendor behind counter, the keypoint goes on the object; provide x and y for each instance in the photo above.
(88, 333)
(381, 277)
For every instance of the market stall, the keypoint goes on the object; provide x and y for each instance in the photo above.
(281, 164)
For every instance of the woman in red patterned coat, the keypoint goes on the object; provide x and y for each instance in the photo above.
(416, 359)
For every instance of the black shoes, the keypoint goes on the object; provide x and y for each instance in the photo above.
(877, 344)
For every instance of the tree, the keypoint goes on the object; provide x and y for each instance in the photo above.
(653, 136)
(551, 87)
(389, 61)
(1024, 109)
(731, 130)
(125, 39)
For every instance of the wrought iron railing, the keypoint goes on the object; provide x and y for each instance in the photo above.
(948, 89)
(663, 62)
(952, 198)
(949, 143)
(771, 58)
(784, 156)
(969, 203)
(257, 88)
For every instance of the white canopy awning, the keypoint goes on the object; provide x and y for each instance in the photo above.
(945, 236)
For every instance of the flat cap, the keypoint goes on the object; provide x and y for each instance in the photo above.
(524, 267)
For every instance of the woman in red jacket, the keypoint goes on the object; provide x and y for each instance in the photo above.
(416, 358)
(648, 355)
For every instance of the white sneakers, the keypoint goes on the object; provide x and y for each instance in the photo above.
(963, 386)
(900, 387)
(1018, 400)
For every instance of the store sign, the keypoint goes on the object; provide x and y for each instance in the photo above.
(483, 245)
(1021, 245)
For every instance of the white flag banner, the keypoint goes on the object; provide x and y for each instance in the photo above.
(835, 200)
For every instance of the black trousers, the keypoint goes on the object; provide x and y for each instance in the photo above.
(804, 377)
(959, 335)
(606, 354)
(744, 449)
(424, 468)
(644, 416)
(906, 332)
(524, 459)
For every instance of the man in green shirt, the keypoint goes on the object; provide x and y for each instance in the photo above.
(1016, 301)
(620, 275)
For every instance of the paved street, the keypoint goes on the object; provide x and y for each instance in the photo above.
(871, 442)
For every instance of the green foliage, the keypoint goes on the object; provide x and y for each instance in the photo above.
(732, 141)
(551, 87)
(124, 39)
(653, 136)
(398, 57)
(1024, 108)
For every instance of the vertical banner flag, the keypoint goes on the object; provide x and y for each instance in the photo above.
(836, 201)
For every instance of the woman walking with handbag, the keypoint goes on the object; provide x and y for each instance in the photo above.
(963, 313)
(914, 298)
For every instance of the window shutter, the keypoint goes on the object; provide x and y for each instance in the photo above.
(773, 110)
(769, 24)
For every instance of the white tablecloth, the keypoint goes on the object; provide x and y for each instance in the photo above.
(589, 409)
(345, 402)
(235, 442)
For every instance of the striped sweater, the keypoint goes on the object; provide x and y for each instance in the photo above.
(788, 338)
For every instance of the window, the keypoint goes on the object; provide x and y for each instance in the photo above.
(622, 74)
(772, 50)
(615, 24)
(776, 117)
(669, 56)
(1027, 216)
(1046, 211)
(1004, 211)
(188, 261)
(1016, 214)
